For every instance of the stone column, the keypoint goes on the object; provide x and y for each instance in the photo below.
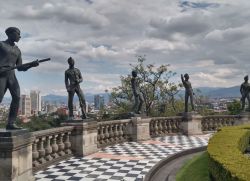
(244, 118)
(191, 123)
(140, 129)
(16, 155)
(83, 137)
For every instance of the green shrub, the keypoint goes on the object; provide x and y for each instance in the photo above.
(226, 158)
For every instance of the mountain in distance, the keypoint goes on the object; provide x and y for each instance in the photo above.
(211, 92)
(216, 92)
(224, 92)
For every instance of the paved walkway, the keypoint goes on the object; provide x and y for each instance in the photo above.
(169, 171)
(127, 162)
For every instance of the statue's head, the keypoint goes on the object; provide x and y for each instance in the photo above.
(246, 78)
(13, 34)
(134, 73)
(71, 61)
(186, 76)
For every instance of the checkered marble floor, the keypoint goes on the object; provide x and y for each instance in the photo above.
(125, 162)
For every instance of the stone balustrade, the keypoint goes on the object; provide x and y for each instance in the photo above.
(113, 132)
(160, 126)
(50, 146)
(212, 123)
(83, 138)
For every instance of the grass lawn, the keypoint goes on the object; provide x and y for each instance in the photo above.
(195, 169)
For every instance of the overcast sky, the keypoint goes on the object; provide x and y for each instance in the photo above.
(207, 39)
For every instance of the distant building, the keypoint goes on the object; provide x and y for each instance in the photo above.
(50, 108)
(99, 102)
(36, 103)
(62, 111)
(25, 106)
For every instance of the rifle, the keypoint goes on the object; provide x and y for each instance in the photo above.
(8, 68)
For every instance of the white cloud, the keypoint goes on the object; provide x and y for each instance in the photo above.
(212, 44)
(63, 13)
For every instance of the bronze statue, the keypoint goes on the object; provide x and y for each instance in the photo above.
(10, 58)
(73, 78)
(136, 92)
(188, 91)
(244, 90)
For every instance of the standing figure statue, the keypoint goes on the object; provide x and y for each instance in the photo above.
(244, 90)
(136, 92)
(10, 59)
(188, 91)
(73, 78)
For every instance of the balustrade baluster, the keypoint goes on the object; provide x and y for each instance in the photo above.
(41, 150)
(98, 136)
(174, 127)
(167, 126)
(210, 124)
(61, 144)
(111, 134)
(125, 132)
(171, 126)
(116, 134)
(152, 128)
(106, 134)
(159, 127)
(102, 136)
(67, 143)
(54, 147)
(35, 154)
(164, 127)
(156, 128)
(48, 148)
(120, 133)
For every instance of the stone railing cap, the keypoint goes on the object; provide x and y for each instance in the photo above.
(10, 133)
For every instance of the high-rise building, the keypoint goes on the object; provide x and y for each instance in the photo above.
(25, 106)
(36, 104)
(99, 101)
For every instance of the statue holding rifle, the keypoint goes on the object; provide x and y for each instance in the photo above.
(244, 90)
(10, 59)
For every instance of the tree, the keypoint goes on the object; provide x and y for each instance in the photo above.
(234, 107)
(154, 82)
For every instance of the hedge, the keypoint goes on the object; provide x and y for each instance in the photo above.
(226, 159)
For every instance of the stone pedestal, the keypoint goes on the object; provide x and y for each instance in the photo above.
(191, 123)
(16, 155)
(83, 137)
(245, 117)
(140, 129)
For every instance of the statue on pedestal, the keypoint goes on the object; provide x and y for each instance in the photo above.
(137, 108)
(10, 59)
(188, 91)
(73, 78)
(244, 90)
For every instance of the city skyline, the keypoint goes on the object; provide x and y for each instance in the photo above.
(207, 39)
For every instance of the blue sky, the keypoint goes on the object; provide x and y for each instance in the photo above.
(207, 39)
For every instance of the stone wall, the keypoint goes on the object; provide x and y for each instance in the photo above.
(21, 151)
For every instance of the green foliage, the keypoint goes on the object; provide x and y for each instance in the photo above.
(155, 87)
(234, 107)
(195, 169)
(226, 158)
(42, 122)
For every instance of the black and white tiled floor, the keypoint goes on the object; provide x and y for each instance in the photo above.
(127, 162)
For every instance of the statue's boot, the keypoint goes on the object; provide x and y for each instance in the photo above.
(84, 115)
(13, 127)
